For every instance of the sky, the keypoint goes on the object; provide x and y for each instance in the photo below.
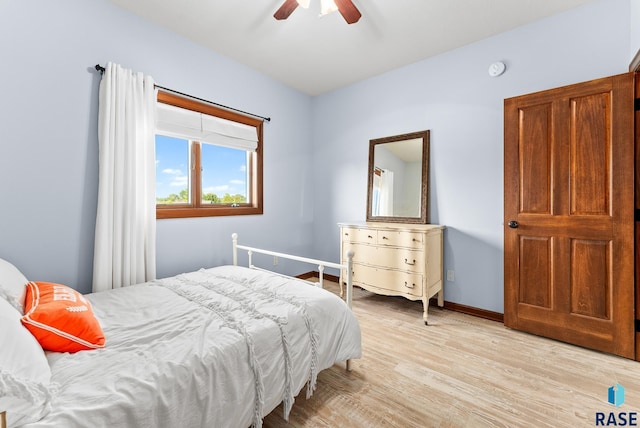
(223, 169)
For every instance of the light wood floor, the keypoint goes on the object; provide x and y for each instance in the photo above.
(460, 371)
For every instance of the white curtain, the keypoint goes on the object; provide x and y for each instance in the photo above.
(125, 238)
(385, 199)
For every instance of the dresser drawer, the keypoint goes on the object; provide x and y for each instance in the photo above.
(392, 258)
(401, 259)
(366, 236)
(401, 239)
(390, 281)
(362, 253)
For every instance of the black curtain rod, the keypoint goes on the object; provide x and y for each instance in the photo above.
(101, 69)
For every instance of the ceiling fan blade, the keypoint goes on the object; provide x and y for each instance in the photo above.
(348, 10)
(286, 9)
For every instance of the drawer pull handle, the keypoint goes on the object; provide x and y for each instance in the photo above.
(409, 263)
(406, 284)
(369, 236)
(346, 234)
(384, 237)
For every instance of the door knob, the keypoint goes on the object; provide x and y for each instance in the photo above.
(513, 224)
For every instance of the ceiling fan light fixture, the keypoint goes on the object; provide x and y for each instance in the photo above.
(327, 7)
(347, 9)
(304, 3)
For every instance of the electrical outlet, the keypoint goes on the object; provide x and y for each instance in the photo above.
(275, 260)
(451, 276)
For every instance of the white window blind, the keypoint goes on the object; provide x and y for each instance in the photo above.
(182, 123)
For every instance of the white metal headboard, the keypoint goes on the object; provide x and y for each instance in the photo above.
(344, 268)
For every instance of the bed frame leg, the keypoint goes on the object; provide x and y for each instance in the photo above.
(349, 290)
(321, 276)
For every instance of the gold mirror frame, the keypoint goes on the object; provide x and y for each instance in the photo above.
(423, 215)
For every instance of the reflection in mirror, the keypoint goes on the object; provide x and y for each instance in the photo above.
(398, 172)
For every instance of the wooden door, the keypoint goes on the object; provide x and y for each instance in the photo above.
(569, 214)
(637, 245)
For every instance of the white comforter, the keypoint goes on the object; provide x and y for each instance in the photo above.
(220, 347)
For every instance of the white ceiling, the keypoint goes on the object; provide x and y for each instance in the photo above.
(318, 54)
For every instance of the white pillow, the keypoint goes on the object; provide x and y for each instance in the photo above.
(25, 375)
(13, 285)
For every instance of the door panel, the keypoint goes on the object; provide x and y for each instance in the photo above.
(590, 149)
(590, 278)
(535, 271)
(569, 185)
(536, 158)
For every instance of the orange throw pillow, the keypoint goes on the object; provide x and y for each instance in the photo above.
(60, 318)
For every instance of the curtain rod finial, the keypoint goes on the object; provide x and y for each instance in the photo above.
(100, 68)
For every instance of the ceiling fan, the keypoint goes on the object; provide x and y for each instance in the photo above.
(347, 9)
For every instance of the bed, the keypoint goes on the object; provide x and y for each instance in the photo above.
(218, 347)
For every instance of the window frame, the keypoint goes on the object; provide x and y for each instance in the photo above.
(196, 208)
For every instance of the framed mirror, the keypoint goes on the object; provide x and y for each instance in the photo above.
(398, 190)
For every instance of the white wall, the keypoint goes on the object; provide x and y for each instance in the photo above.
(634, 28)
(49, 147)
(453, 96)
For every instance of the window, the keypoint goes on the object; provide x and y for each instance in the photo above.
(208, 160)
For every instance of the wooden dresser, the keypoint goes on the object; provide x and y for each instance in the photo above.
(396, 259)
